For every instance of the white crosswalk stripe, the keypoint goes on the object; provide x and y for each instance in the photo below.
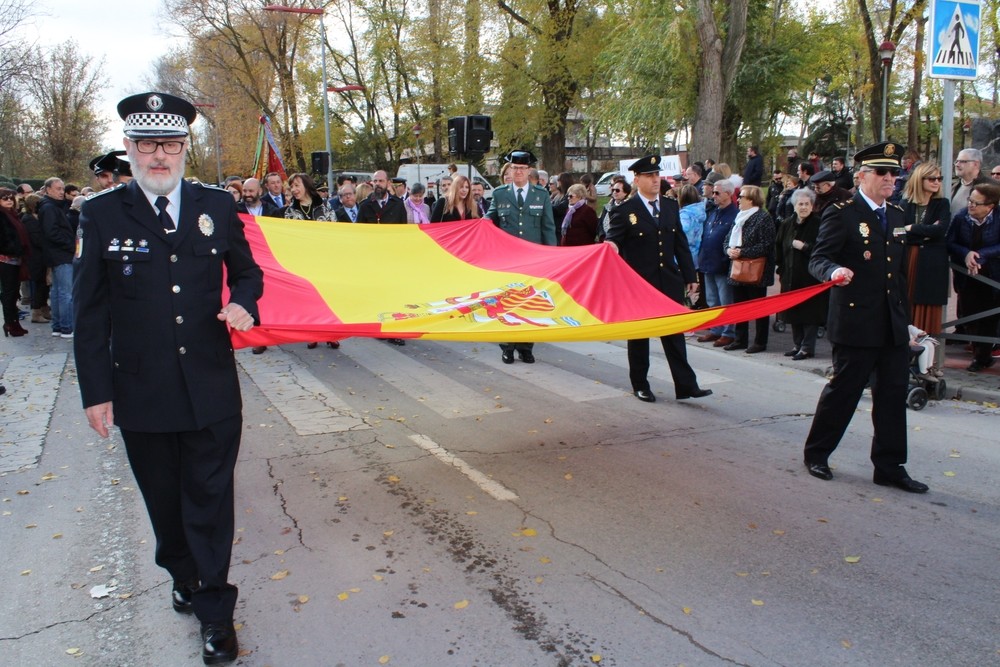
(32, 385)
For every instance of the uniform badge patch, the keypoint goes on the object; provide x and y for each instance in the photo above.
(634, 220)
(864, 230)
(205, 224)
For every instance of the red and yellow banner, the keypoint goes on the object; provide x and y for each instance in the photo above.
(461, 281)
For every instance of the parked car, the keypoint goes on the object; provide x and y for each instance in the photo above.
(603, 184)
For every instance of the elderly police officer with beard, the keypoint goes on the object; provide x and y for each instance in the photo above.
(154, 356)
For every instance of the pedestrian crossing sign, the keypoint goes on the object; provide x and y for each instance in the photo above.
(954, 37)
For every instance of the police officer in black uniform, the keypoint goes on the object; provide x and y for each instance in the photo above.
(861, 244)
(646, 230)
(153, 351)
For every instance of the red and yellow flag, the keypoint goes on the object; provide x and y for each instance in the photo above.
(461, 281)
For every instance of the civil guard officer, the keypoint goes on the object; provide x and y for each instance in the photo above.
(646, 231)
(153, 351)
(525, 211)
(861, 244)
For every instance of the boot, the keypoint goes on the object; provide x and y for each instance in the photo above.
(47, 312)
(38, 317)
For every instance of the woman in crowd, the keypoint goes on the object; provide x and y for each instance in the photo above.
(560, 200)
(37, 269)
(14, 249)
(751, 237)
(417, 212)
(974, 242)
(457, 204)
(620, 191)
(236, 190)
(306, 202)
(587, 181)
(794, 247)
(506, 177)
(784, 208)
(927, 214)
(693, 214)
(579, 225)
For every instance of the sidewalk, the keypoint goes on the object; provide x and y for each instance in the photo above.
(981, 387)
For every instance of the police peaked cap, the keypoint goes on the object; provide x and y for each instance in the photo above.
(151, 115)
(646, 165)
(886, 154)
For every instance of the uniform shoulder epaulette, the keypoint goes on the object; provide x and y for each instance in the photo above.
(209, 186)
(536, 186)
(894, 205)
(93, 195)
(842, 204)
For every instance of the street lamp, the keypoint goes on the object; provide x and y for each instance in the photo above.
(218, 144)
(886, 51)
(326, 102)
(850, 125)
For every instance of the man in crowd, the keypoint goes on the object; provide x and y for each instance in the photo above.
(844, 177)
(713, 261)
(253, 203)
(58, 246)
(154, 355)
(693, 174)
(443, 185)
(805, 171)
(774, 190)
(995, 172)
(792, 161)
(479, 194)
(827, 191)
(399, 187)
(753, 172)
(646, 231)
(525, 211)
(348, 209)
(382, 207)
(275, 189)
(968, 172)
(860, 246)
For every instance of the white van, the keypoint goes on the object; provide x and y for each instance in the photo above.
(603, 184)
(430, 174)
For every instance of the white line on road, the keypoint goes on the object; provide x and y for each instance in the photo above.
(32, 385)
(495, 489)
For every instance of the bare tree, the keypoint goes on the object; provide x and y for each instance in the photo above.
(14, 52)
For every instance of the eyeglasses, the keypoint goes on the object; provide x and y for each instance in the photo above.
(973, 203)
(963, 161)
(148, 146)
(939, 178)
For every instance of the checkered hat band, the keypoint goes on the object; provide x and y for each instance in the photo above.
(154, 124)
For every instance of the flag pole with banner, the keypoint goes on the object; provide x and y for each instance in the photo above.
(268, 157)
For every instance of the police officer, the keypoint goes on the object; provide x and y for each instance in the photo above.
(525, 211)
(104, 167)
(861, 244)
(154, 356)
(646, 231)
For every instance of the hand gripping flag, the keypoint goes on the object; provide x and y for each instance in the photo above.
(460, 281)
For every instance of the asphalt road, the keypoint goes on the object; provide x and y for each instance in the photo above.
(428, 505)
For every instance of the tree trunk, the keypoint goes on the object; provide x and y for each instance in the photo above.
(913, 126)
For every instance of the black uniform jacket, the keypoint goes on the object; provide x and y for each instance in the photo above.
(656, 249)
(871, 311)
(394, 211)
(146, 332)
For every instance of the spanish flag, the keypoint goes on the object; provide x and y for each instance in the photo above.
(460, 281)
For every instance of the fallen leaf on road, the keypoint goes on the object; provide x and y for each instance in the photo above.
(244, 652)
(388, 533)
(354, 590)
(529, 532)
(687, 610)
(74, 651)
(49, 476)
(96, 568)
(25, 573)
(595, 658)
(845, 643)
(852, 559)
(303, 599)
(778, 532)
(32, 525)
(539, 580)
(549, 420)
(462, 604)
(57, 536)
(279, 575)
(742, 574)
(568, 476)
(393, 479)
(544, 560)
(343, 596)
(23, 492)
(822, 520)
(949, 473)
(377, 577)
(472, 512)
(757, 603)
(384, 660)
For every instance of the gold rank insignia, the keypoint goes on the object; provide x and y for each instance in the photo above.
(890, 150)
(205, 224)
(634, 220)
(863, 229)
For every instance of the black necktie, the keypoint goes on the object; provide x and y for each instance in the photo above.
(880, 214)
(164, 217)
(520, 198)
(656, 209)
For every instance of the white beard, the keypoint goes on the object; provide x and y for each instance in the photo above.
(158, 185)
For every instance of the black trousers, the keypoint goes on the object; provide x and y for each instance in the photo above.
(979, 297)
(685, 380)
(186, 480)
(10, 291)
(762, 325)
(519, 347)
(852, 368)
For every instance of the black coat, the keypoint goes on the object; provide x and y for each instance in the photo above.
(930, 286)
(394, 211)
(438, 214)
(871, 311)
(36, 259)
(60, 237)
(655, 249)
(792, 267)
(758, 241)
(268, 209)
(146, 332)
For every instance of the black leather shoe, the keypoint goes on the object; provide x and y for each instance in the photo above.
(397, 341)
(977, 365)
(905, 483)
(259, 349)
(181, 596)
(799, 356)
(735, 345)
(311, 346)
(754, 349)
(507, 356)
(645, 395)
(697, 393)
(820, 470)
(219, 643)
(792, 352)
(333, 345)
(527, 357)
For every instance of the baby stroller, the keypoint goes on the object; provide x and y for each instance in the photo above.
(923, 386)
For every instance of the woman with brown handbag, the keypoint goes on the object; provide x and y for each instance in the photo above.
(750, 247)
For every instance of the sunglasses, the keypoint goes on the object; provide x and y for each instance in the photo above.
(939, 178)
(995, 173)
(7, 198)
(882, 171)
(617, 190)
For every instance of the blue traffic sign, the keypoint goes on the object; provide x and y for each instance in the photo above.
(954, 37)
